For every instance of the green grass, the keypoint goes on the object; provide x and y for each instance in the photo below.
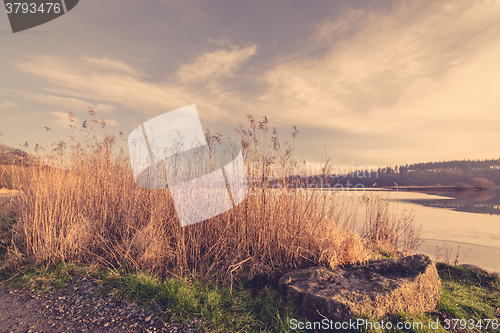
(469, 294)
(221, 309)
(43, 278)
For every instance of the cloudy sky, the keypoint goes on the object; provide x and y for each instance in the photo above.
(376, 82)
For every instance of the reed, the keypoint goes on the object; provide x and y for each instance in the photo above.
(79, 203)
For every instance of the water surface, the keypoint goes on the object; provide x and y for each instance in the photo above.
(460, 226)
(481, 202)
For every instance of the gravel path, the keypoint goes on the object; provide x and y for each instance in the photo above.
(78, 309)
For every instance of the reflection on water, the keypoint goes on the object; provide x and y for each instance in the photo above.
(468, 229)
(481, 202)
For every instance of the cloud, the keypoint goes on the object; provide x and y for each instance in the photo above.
(328, 29)
(214, 65)
(139, 59)
(111, 122)
(420, 73)
(225, 41)
(61, 119)
(74, 79)
(66, 103)
(112, 65)
(358, 67)
(81, 80)
(7, 105)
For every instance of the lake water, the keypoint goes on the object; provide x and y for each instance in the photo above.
(462, 225)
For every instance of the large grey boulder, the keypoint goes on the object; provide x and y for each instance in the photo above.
(382, 287)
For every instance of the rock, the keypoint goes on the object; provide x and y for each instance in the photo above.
(382, 287)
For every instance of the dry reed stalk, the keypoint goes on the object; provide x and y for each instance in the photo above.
(81, 204)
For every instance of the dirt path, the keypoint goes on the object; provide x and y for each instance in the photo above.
(77, 309)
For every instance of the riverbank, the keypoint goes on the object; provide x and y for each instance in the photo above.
(84, 298)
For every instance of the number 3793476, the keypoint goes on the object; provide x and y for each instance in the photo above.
(32, 8)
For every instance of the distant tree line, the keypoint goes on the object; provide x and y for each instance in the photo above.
(463, 165)
(448, 173)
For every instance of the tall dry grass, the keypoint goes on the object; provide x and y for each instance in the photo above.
(386, 229)
(80, 203)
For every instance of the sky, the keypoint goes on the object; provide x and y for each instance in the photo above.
(371, 83)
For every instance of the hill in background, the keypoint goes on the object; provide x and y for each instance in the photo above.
(12, 156)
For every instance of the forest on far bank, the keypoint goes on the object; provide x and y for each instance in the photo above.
(446, 173)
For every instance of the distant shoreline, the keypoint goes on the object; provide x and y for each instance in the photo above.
(435, 188)
(426, 188)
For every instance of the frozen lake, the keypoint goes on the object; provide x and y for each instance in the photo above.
(466, 223)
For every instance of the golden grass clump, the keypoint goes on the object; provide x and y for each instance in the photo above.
(80, 203)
